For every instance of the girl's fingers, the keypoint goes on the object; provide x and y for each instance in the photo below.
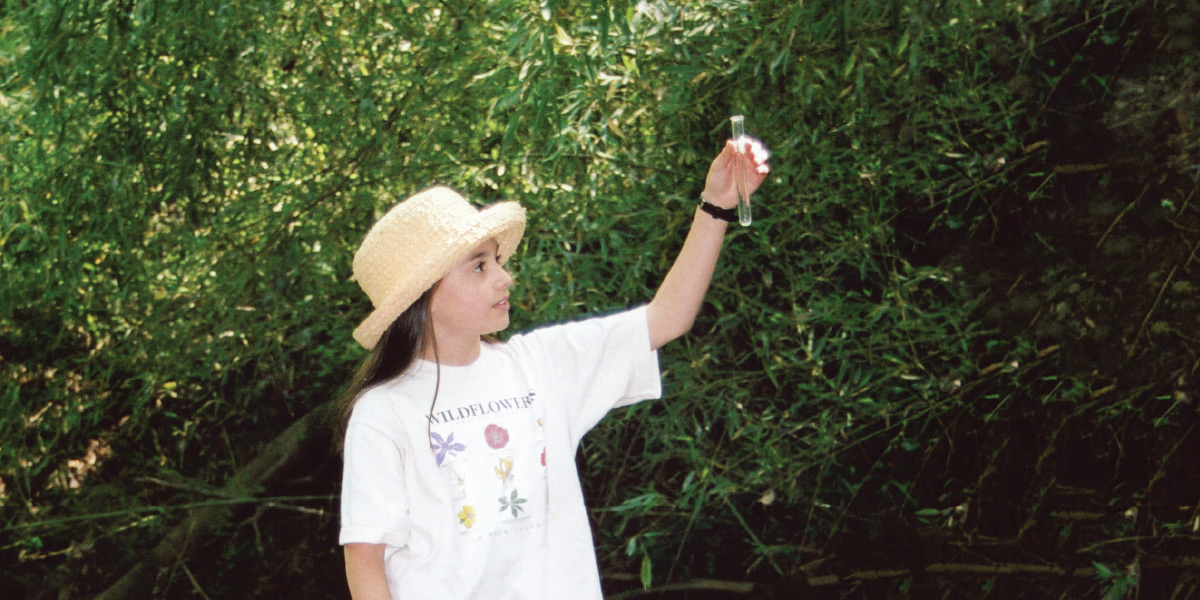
(732, 146)
(753, 147)
(761, 154)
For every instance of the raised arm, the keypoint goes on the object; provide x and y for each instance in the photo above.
(677, 302)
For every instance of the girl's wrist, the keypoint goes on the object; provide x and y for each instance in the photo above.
(717, 201)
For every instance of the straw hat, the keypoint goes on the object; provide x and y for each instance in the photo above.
(417, 242)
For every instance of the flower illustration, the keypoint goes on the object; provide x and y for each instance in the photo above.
(446, 446)
(456, 482)
(513, 503)
(504, 471)
(497, 436)
(543, 457)
(466, 516)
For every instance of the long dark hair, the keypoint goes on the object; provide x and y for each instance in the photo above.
(405, 340)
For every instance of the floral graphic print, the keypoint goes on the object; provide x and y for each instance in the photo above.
(496, 436)
(504, 470)
(443, 447)
(513, 503)
(466, 516)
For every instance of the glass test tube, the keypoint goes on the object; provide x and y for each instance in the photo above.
(739, 171)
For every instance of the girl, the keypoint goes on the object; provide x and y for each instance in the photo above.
(493, 508)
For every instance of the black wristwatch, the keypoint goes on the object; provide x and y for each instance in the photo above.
(729, 215)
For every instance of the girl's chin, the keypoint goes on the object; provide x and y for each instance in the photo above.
(498, 327)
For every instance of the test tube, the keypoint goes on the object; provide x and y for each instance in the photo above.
(739, 171)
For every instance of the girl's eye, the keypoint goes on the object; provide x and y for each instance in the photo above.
(479, 268)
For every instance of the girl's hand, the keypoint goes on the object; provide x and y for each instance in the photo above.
(720, 187)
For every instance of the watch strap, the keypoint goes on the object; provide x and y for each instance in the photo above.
(728, 215)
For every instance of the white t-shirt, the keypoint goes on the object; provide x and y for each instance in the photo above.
(494, 508)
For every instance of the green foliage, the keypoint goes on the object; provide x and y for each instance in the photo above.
(185, 184)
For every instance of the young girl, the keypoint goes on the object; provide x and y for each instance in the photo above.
(460, 477)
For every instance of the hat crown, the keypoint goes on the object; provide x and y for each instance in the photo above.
(408, 238)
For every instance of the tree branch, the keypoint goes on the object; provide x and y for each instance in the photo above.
(991, 570)
(195, 530)
(711, 585)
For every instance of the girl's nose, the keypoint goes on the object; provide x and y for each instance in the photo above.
(506, 278)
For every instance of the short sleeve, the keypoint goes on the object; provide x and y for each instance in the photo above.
(596, 364)
(375, 505)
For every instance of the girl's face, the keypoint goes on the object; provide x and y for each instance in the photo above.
(472, 299)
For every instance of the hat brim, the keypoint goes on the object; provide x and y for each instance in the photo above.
(504, 222)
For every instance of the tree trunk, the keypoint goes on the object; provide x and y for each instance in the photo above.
(195, 530)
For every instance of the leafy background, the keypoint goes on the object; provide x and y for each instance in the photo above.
(956, 353)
